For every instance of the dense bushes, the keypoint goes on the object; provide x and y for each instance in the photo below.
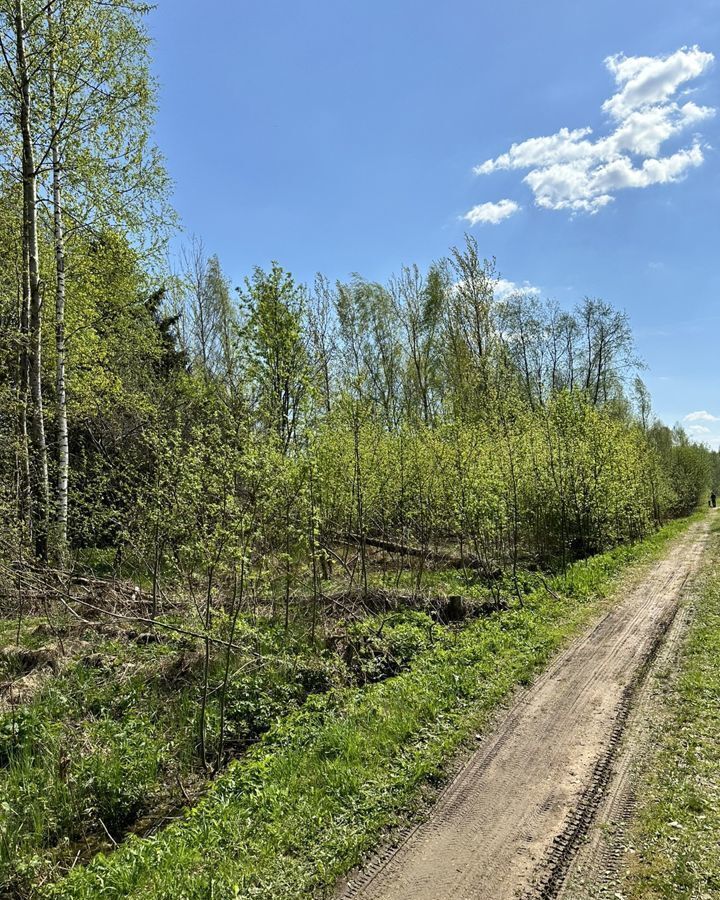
(569, 477)
(243, 449)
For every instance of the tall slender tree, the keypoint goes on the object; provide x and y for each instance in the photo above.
(61, 418)
(21, 71)
(78, 92)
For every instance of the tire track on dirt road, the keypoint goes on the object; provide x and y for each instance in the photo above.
(509, 824)
(596, 868)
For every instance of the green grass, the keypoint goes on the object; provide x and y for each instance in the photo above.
(676, 835)
(322, 786)
(104, 743)
(91, 747)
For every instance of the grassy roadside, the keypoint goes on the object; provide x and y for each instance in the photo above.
(320, 788)
(676, 834)
(106, 742)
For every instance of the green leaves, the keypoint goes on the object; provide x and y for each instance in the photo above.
(278, 368)
(329, 778)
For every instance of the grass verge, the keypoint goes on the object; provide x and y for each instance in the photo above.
(320, 788)
(675, 836)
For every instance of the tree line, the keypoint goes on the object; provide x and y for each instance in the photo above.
(268, 441)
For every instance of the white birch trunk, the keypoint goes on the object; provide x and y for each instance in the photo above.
(63, 454)
(30, 236)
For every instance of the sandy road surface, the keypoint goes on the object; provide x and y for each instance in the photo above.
(595, 869)
(509, 824)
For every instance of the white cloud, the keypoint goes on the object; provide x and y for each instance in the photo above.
(590, 186)
(708, 437)
(491, 213)
(505, 288)
(572, 170)
(566, 145)
(648, 80)
(701, 416)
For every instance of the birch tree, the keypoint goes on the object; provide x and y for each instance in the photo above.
(22, 66)
(79, 90)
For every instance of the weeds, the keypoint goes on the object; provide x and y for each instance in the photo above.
(114, 737)
(323, 783)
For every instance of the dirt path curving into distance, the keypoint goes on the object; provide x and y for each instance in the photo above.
(509, 825)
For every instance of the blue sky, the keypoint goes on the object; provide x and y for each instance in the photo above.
(342, 137)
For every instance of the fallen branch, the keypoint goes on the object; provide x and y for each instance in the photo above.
(66, 600)
(549, 589)
(155, 623)
(445, 559)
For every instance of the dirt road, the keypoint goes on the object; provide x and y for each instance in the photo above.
(509, 825)
(595, 871)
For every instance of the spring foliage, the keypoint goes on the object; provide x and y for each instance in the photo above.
(425, 414)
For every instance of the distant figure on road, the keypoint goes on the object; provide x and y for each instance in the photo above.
(713, 498)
